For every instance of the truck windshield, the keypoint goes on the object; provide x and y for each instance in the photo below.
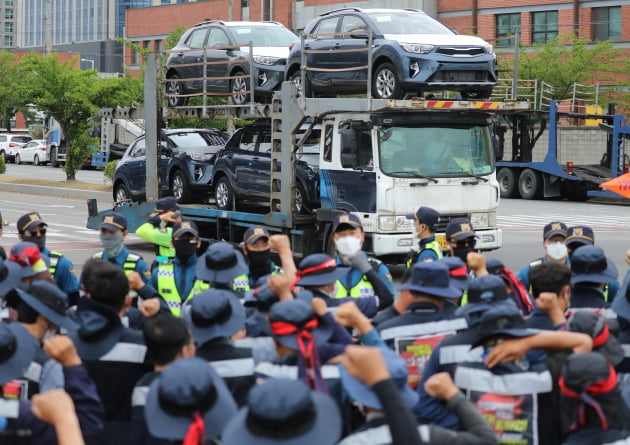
(436, 151)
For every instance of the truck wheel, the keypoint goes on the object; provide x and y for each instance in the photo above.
(53, 158)
(223, 194)
(530, 184)
(508, 182)
(385, 83)
(179, 188)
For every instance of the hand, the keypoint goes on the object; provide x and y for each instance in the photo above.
(54, 406)
(29, 256)
(477, 263)
(169, 217)
(627, 259)
(280, 243)
(349, 315)
(149, 307)
(319, 306)
(507, 351)
(135, 281)
(359, 261)
(441, 386)
(281, 286)
(365, 363)
(550, 304)
(61, 349)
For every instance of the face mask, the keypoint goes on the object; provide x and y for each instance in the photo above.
(40, 241)
(259, 262)
(462, 252)
(333, 293)
(348, 245)
(185, 248)
(112, 244)
(557, 250)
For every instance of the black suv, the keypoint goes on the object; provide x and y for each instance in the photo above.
(411, 52)
(186, 161)
(242, 171)
(213, 56)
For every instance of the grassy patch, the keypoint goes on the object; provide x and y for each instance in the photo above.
(62, 184)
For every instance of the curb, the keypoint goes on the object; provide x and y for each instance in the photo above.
(58, 192)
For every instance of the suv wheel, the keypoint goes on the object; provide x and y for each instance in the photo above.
(180, 188)
(303, 86)
(385, 83)
(175, 89)
(300, 200)
(239, 88)
(18, 160)
(481, 93)
(121, 193)
(223, 194)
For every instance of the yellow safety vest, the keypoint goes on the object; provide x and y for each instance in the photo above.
(54, 257)
(433, 245)
(167, 288)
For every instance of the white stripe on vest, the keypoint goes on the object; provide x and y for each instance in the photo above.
(139, 396)
(509, 384)
(459, 354)
(241, 367)
(272, 370)
(381, 436)
(9, 408)
(34, 372)
(418, 329)
(126, 352)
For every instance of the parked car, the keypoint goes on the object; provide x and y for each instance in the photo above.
(217, 41)
(185, 165)
(242, 170)
(411, 52)
(33, 151)
(9, 143)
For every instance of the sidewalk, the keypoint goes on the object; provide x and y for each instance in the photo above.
(54, 189)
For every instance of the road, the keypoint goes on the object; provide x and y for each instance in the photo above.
(46, 172)
(522, 223)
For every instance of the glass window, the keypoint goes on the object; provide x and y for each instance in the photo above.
(326, 28)
(248, 141)
(138, 149)
(218, 37)
(8, 27)
(607, 23)
(405, 22)
(544, 26)
(197, 38)
(8, 14)
(263, 35)
(507, 26)
(8, 41)
(353, 24)
(328, 137)
(8, 2)
(159, 46)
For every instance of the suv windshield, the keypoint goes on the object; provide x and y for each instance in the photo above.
(263, 35)
(407, 23)
(436, 151)
(191, 139)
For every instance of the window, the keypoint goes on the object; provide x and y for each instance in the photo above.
(607, 23)
(8, 14)
(507, 26)
(197, 38)
(8, 27)
(248, 141)
(218, 38)
(159, 46)
(544, 26)
(353, 24)
(8, 2)
(8, 41)
(138, 150)
(326, 28)
(136, 57)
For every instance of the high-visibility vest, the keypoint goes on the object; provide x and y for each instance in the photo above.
(433, 245)
(54, 257)
(363, 288)
(167, 288)
(130, 263)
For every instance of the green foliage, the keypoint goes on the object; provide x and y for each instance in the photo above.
(109, 170)
(3, 166)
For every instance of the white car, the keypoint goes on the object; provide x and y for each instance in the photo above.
(33, 151)
(9, 144)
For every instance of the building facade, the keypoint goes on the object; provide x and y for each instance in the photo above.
(7, 23)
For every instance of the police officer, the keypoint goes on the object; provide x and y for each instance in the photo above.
(591, 270)
(460, 238)
(424, 222)
(158, 229)
(175, 279)
(113, 232)
(554, 238)
(223, 266)
(367, 276)
(32, 228)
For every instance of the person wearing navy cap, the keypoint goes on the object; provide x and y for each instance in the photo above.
(175, 279)
(367, 276)
(10, 278)
(32, 228)
(550, 283)
(158, 229)
(424, 223)
(590, 270)
(554, 238)
(460, 238)
(214, 317)
(188, 402)
(220, 266)
(113, 232)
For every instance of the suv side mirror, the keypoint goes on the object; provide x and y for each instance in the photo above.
(359, 35)
(164, 148)
(348, 147)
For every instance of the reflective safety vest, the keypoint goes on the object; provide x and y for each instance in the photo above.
(54, 257)
(433, 245)
(241, 283)
(363, 288)
(167, 288)
(130, 263)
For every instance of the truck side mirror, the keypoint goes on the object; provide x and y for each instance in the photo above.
(348, 147)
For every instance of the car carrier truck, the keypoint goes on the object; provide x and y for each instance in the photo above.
(379, 159)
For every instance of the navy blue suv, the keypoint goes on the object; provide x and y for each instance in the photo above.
(185, 166)
(411, 53)
(242, 171)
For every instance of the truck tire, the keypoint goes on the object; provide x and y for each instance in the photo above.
(53, 158)
(508, 182)
(530, 184)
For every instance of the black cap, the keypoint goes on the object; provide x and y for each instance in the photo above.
(114, 221)
(555, 228)
(166, 204)
(346, 221)
(580, 236)
(426, 215)
(30, 221)
(487, 288)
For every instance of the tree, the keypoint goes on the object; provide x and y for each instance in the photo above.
(10, 98)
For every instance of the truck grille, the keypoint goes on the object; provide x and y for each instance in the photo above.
(445, 219)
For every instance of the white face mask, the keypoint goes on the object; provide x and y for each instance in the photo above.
(348, 245)
(557, 250)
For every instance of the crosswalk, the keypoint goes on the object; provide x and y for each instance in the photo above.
(601, 222)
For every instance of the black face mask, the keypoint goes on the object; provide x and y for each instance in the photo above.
(184, 248)
(462, 252)
(259, 262)
(39, 240)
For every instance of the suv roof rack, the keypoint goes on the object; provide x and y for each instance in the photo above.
(340, 10)
(208, 21)
(414, 10)
(275, 22)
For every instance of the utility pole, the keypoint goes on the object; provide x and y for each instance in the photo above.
(48, 43)
(515, 78)
(229, 17)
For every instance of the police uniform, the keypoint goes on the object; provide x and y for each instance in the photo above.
(429, 248)
(129, 262)
(356, 284)
(176, 283)
(157, 232)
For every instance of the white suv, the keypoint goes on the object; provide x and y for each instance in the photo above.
(10, 142)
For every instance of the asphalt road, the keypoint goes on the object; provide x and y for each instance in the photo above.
(522, 223)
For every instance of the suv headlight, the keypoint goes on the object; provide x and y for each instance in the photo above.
(417, 48)
(266, 60)
(397, 223)
(489, 49)
(200, 156)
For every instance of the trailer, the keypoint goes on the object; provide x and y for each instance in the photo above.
(379, 159)
(521, 176)
(114, 135)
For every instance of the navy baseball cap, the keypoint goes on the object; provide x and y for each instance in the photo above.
(319, 269)
(30, 221)
(363, 393)
(48, 301)
(553, 229)
(501, 319)
(187, 386)
(114, 221)
(285, 412)
(487, 288)
(214, 313)
(432, 279)
(255, 233)
(346, 221)
(459, 229)
(221, 263)
(300, 315)
(595, 325)
(589, 264)
(10, 275)
(184, 227)
(426, 215)
(165, 204)
(580, 236)
(99, 329)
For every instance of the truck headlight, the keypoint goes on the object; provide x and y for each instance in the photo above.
(398, 223)
(485, 219)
